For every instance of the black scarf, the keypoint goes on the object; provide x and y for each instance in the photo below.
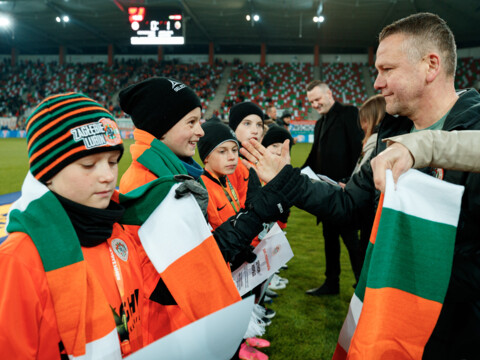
(93, 226)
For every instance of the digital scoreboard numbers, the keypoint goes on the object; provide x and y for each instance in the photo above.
(156, 27)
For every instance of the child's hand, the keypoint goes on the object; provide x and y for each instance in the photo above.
(266, 164)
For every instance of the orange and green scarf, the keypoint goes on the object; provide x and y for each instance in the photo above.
(85, 321)
(157, 157)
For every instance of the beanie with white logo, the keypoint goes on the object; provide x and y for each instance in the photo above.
(66, 127)
(158, 103)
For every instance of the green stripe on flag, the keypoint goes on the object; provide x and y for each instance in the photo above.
(138, 203)
(362, 282)
(399, 255)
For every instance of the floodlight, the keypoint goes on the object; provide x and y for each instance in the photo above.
(65, 18)
(248, 17)
(256, 17)
(58, 19)
(4, 21)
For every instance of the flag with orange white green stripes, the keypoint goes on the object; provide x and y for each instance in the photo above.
(406, 272)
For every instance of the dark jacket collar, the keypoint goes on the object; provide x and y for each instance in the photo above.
(465, 114)
(222, 180)
(334, 109)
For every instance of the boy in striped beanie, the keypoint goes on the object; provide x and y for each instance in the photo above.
(70, 271)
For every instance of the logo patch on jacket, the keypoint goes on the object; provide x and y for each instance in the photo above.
(120, 248)
(439, 173)
(220, 208)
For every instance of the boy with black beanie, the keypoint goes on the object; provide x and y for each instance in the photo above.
(167, 114)
(275, 137)
(247, 120)
(218, 149)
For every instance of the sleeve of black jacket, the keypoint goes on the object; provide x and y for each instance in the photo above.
(272, 201)
(235, 235)
(345, 207)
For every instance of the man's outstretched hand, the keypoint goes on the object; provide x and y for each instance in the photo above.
(266, 164)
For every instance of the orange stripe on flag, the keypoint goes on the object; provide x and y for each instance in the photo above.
(208, 288)
(393, 324)
(378, 214)
(73, 310)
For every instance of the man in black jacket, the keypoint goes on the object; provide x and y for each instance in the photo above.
(336, 147)
(416, 61)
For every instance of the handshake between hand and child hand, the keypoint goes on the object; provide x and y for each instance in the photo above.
(266, 164)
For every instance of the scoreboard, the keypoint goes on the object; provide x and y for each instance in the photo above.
(152, 26)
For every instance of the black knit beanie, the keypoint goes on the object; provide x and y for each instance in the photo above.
(276, 134)
(240, 111)
(216, 134)
(157, 104)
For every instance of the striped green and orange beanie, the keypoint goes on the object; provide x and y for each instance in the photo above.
(66, 127)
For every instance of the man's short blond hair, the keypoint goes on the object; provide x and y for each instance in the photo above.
(426, 32)
(322, 85)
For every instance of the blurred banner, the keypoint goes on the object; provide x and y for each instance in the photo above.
(302, 130)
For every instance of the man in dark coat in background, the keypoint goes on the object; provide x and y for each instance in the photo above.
(336, 147)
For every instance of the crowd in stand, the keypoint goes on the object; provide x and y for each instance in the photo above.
(280, 84)
(30, 82)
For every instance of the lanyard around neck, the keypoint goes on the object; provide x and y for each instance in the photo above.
(233, 201)
(120, 318)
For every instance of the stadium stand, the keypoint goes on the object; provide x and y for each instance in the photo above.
(345, 81)
(30, 82)
(280, 84)
(468, 73)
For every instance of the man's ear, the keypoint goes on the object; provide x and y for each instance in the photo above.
(434, 64)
